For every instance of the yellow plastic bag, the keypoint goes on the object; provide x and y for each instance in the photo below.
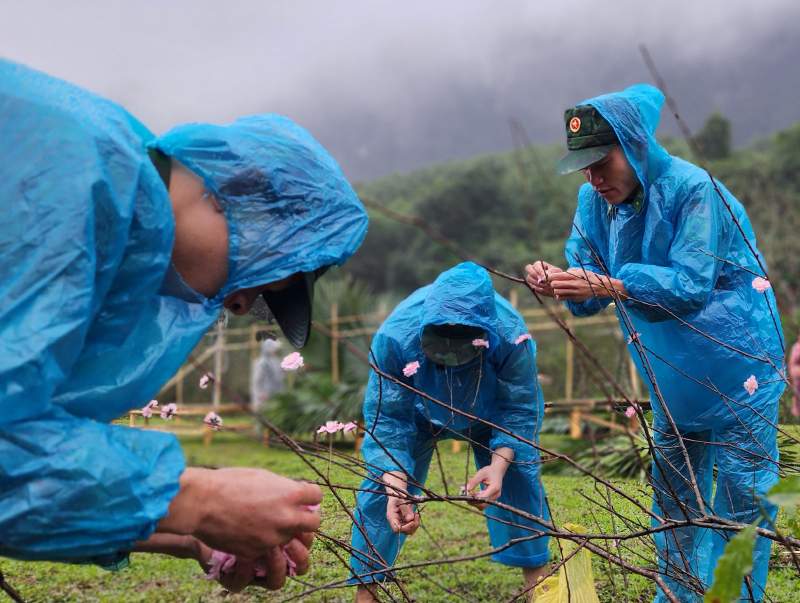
(575, 582)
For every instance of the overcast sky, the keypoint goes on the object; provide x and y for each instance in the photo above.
(391, 86)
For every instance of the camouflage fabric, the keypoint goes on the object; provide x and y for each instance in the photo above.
(636, 201)
(589, 138)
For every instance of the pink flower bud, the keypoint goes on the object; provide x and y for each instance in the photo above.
(411, 368)
(213, 420)
(751, 385)
(761, 284)
(169, 411)
(292, 362)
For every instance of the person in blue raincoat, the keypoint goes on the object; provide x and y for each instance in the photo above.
(118, 251)
(494, 381)
(653, 231)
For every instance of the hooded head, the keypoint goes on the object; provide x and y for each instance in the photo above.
(459, 308)
(289, 209)
(633, 114)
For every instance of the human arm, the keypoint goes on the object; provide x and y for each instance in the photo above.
(491, 477)
(400, 514)
(388, 412)
(242, 574)
(244, 512)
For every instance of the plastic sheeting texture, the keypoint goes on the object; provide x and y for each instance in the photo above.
(89, 325)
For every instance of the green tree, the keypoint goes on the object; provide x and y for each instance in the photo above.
(714, 138)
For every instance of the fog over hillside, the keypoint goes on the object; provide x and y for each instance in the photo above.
(388, 87)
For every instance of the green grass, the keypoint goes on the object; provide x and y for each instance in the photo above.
(154, 578)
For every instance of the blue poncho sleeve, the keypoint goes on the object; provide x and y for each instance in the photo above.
(71, 488)
(518, 403)
(702, 229)
(581, 255)
(389, 413)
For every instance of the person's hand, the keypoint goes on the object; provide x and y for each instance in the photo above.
(580, 285)
(244, 512)
(538, 277)
(491, 477)
(273, 565)
(400, 514)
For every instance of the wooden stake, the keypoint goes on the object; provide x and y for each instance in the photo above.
(215, 400)
(575, 416)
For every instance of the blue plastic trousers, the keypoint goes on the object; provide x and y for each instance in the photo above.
(522, 489)
(745, 450)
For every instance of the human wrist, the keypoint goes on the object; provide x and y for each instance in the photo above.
(614, 288)
(501, 459)
(395, 480)
(188, 509)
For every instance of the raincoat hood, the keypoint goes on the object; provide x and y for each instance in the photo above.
(289, 207)
(463, 295)
(634, 114)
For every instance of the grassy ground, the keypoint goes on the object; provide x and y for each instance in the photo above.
(154, 578)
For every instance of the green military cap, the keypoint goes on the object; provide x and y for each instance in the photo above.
(589, 138)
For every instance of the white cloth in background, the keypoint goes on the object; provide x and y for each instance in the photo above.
(266, 375)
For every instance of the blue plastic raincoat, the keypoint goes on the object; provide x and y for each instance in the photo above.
(664, 255)
(93, 317)
(500, 386)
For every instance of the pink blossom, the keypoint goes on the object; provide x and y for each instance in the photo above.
(312, 508)
(634, 337)
(292, 362)
(751, 385)
(205, 379)
(146, 411)
(291, 568)
(631, 410)
(761, 284)
(411, 368)
(220, 563)
(463, 491)
(330, 427)
(521, 338)
(540, 278)
(480, 342)
(350, 427)
(616, 543)
(169, 411)
(213, 420)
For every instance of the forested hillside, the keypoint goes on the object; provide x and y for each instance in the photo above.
(508, 209)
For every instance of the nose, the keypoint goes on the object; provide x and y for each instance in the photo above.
(239, 302)
(593, 177)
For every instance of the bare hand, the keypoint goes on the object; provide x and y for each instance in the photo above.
(539, 276)
(400, 514)
(274, 564)
(491, 477)
(492, 480)
(579, 285)
(244, 512)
